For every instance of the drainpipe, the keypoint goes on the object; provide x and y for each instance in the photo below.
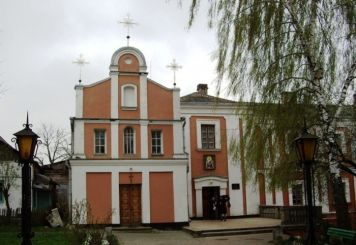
(186, 154)
(184, 122)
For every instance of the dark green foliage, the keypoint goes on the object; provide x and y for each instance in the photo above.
(112, 239)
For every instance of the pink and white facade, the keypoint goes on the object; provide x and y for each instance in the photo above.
(212, 124)
(128, 161)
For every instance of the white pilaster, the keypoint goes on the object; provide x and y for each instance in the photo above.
(78, 188)
(79, 101)
(176, 103)
(144, 139)
(79, 139)
(114, 94)
(180, 201)
(187, 149)
(145, 198)
(143, 96)
(199, 202)
(114, 139)
(115, 198)
(178, 140)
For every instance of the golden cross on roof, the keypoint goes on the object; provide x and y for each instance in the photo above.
(80, 62)
(174, 67)
(128, 23)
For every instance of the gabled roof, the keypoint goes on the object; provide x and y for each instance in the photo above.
(198, 97)
(3, 142)
(7, 152)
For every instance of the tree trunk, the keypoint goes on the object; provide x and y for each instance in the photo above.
(8, 208)
(341, 207)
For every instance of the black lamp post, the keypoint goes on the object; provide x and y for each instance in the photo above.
(306, 145)
(26, 141)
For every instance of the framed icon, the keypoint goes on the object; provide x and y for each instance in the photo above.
(209, 162)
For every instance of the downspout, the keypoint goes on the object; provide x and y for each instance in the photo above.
(186, 155)
(69, 192)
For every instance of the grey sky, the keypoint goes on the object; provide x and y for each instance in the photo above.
(39, 39)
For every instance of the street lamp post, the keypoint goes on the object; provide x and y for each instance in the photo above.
(26, 142)
(306, 145)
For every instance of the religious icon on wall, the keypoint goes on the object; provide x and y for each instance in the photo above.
(209, 161)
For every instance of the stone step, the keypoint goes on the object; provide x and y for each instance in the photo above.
(230, 232)
(132, 229)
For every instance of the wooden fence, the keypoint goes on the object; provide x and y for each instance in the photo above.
(14, 212)
(290, 215)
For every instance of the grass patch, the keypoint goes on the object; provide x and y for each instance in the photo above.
(43, 236)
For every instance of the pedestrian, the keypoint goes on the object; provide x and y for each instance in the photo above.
(214, 204)
(224, 205)
(222, 208)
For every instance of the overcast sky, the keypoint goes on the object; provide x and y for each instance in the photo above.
(39, 39)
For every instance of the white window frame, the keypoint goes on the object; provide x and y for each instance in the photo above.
(340, 135)
(347, 189)
(134, 106)
(162, 149)
(105, 141)
(216, 123)
(134, 141)
(299, 182)
(2, 198)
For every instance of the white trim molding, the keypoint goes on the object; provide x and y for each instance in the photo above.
(134, 104)
(79, 101)
(144, 139)
(128, 50)
(114, 95)
(114, 139)
(143, 96)
(208, 181)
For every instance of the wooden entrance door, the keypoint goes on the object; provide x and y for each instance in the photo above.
(130, 205)
(208, 194)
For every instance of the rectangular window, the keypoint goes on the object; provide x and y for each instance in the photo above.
(346, 187)
(1, 195)
(297, 194)
(129, 141)
(208, 136)
(157, 142)
(100, 141)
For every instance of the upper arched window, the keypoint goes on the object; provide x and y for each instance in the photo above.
(129, 96)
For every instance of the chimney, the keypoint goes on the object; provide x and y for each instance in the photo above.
(202, 89)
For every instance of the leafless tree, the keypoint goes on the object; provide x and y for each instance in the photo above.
(9, 174)
(55, 144)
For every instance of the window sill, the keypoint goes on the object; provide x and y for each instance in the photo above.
(207, 150)
(129, 108)
(129, 155)
(157, 154)
(100, 154)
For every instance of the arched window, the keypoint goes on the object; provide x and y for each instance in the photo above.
(129, 97)
(129, 141)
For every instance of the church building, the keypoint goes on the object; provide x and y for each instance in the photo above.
(127, 134)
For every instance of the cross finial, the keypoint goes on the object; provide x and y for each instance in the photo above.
(128, 23)
(80, 62)
(174, 67)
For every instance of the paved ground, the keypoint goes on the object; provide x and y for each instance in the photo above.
(158, 237)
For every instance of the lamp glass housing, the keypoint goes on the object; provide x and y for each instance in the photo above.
(306, 146)
(26, 145)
